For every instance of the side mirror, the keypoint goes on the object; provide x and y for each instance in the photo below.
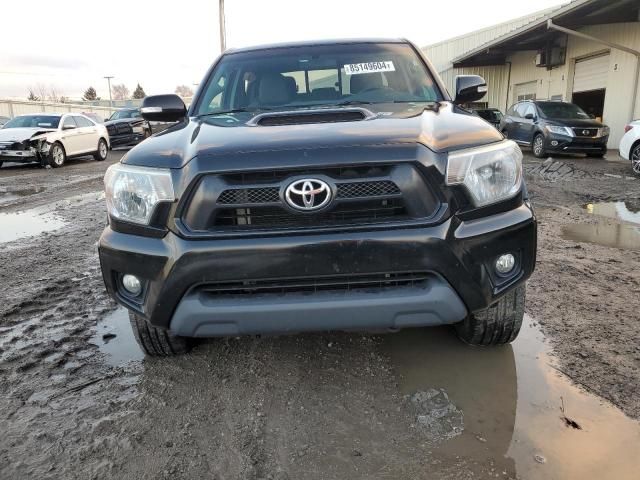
(163, 108)
(68, 127)
(469, 88)
(529, 116)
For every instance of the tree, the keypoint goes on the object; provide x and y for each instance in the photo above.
(139, 92)
(64, 99)
(184, 91)
(120, 92)
(90, 95)
(32, 96)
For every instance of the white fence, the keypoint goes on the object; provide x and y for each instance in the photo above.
(11, 108)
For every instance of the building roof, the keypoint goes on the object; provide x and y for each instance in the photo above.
(535, 35)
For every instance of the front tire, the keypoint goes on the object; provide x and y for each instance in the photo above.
(635, 158)
(497, 325)
(57, 155)
(157, 342)
(538, 146)
(101, 153)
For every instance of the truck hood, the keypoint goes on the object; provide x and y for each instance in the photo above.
(21, 134)
(441, 128)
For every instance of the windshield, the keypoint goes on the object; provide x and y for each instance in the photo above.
(34, 121)
(298, 77)
(562, 110)
(120, 114)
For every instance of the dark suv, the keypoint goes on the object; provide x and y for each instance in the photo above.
(319, 186)
(555, 127)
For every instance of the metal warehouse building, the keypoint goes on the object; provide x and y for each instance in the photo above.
(586, 52)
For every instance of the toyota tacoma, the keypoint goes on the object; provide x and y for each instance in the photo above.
(319, 186)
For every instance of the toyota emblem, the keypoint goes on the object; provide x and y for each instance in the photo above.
(308, 194)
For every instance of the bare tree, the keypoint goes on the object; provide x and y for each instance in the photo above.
(120, 92)
(63, 99)
(184, 91)
(53, 95)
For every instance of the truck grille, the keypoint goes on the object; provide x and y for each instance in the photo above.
(254, 201)
(272, 194)
(374, 211)
(344, 283)
(585, 132)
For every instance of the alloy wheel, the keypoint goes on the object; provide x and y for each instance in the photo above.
(58, 155)
(537, 145)
(635, 159)
(102, 149)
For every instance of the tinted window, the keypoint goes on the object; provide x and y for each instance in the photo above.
(490, 115)
(83, 122)
(34, 121)
(317, 75)
(562, 110)
(69, 122)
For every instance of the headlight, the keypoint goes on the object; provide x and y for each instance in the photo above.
(133, 192)
(491, 174)
(559, 130)
(604, 131)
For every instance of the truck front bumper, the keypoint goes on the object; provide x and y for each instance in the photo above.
(217, 287)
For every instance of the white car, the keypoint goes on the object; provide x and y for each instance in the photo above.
(50, 138)
(630, 145)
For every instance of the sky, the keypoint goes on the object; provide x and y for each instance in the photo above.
(72, 44)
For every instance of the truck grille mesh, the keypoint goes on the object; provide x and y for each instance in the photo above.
(242, 196)
(345, 283)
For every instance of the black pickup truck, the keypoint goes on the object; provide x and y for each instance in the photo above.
(319, 186)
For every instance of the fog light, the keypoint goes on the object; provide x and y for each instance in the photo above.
(131, 284)
(505, 263)
(554, 143)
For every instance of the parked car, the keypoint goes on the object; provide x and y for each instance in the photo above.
(491, 115)
(3, 120)
(273, 207)
(127, 127)
(94, 116)
(555, 127)
(630, 145)
(52, 138)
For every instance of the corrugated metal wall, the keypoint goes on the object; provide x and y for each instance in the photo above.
(556, 83)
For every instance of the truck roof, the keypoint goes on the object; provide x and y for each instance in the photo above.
(314, 43)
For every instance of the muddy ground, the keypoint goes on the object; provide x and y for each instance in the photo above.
(78, 401)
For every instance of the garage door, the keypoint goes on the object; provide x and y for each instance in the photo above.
(525, 91)
(591, 73)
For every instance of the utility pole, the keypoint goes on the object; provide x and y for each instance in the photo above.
(223, 34)
(110, 100)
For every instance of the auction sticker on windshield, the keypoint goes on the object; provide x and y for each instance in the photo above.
(368, 67)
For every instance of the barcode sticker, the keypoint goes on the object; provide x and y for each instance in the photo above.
(368, 67)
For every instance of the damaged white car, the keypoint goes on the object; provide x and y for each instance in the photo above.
(50, 139)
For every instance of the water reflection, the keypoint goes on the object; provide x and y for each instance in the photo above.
(511, 398)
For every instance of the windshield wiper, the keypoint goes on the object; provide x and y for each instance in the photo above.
(226, 112)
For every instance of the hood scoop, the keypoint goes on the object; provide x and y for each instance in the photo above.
(305, 117)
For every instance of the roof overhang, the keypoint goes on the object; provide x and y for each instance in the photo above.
(536, 35)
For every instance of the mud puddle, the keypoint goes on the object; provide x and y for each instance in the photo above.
(10, 196)
(520, 417)
(115, 339)
(15, 226)
(35, 221)
(625, 236)
(625, 211)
